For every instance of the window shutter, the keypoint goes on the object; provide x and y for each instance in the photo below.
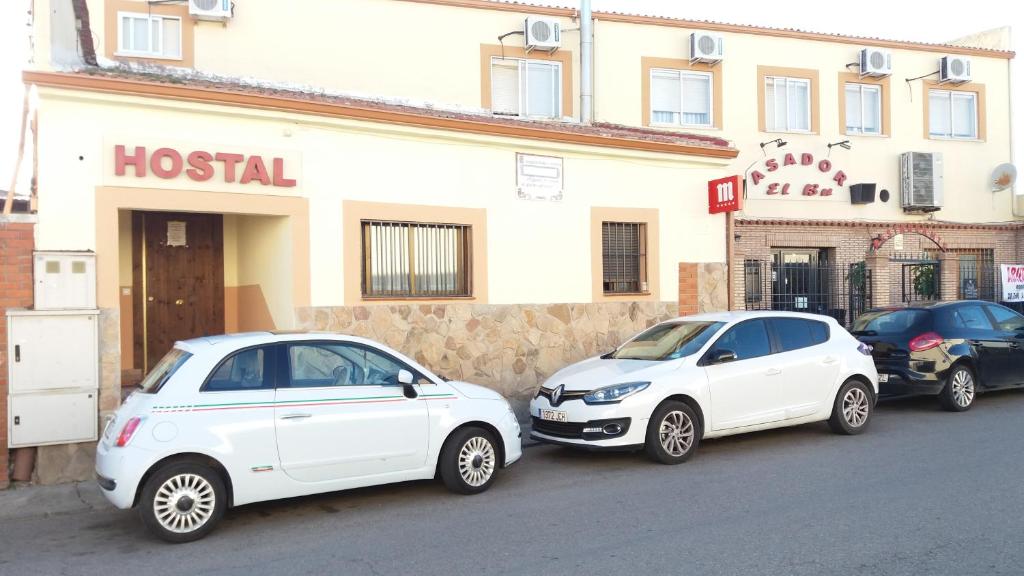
(505, 86)
(542, 83)
(853, 108)
(964, 115)
(665, 97)
(696, 99)
(171, 38)
(938, 113)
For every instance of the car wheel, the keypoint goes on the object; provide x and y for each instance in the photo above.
(960, 390)
(852, 408)
(673, 433)
(183, 501)
(469, 460)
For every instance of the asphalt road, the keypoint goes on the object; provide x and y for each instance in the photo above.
(922, 492)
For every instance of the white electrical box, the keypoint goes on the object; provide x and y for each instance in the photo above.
(52, 418)
(52, 350)
(53, 376)
(64, 280)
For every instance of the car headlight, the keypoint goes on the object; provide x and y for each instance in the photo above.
(614, 393)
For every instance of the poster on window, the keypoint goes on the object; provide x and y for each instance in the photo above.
(1013, 282)
(538, 177)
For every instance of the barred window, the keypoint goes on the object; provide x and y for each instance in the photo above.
(416, 260)
(752, 281)
(624, 252)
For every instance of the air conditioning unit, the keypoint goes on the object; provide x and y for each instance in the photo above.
(954, 69)
(921, 181)
(218, 10)
(875, 62)
(706, 47)
(543, 34)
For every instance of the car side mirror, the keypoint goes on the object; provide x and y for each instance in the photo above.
(721, 356)
(405, 379)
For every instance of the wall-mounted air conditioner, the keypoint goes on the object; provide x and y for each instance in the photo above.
(921, 181)
(218, 10)
(706, 47)
(543, 34)
(875, 62)
(954, 69)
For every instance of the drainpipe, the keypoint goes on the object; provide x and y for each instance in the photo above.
(586, 63)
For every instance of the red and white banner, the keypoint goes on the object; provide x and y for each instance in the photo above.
(1013, 282)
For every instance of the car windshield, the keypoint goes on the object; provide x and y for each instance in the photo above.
(163, 370)
(667, 341)
(888, 321)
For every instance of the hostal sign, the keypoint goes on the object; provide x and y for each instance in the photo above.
(797, 176)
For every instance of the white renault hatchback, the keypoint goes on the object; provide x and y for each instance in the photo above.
(706, 376)
(228, 420)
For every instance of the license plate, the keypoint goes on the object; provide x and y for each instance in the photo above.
(553, 415)
(883, 377)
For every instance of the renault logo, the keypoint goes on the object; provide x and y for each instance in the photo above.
(556, 394)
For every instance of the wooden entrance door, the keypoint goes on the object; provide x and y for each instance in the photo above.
(178, 267)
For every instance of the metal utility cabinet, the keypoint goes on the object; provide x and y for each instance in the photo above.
(53, 355)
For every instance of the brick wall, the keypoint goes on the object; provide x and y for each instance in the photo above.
(688, 297)
(16, 245)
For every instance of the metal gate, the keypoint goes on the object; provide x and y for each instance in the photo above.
(799, 281)
(914, 278)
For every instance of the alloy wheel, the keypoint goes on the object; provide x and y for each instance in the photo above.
(856, 407)
(476, 461)
(676, 433)
(963, 388)
(184, 503)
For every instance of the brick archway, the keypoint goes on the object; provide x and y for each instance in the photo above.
(880, 240)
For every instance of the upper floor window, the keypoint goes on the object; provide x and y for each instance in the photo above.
(416, 260)
(529, 88)
(787, 104)
(624, 257)
(681, 98)
(863, 109)
(148, 35)
(953, 114)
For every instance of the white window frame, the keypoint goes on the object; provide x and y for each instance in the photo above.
(861, 131)
(524, 86)
(950, 95)
(158, 42)
(680, 74)
(769, 83)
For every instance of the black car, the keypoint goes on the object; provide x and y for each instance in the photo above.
(953, 349)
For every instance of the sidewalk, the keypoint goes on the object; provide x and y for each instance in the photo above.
(32, 500)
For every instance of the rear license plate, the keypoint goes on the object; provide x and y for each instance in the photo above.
(553, 415)
(883, 377)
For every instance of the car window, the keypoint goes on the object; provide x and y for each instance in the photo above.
(748, 340)
(1006, 319)
(244, 370)
(163, 370)
(668, 341)
(890, 321)
(317, 365)
(796, 333)
(972, 316)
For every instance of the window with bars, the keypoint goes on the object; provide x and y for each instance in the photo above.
(624, 257)
(977, 275)
(148, 35)
(416, 260)
(681, 98)
(752, 281)
(953, 114)
(531, 88)
(787, 104)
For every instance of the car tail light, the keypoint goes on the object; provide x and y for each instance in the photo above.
(865, 349)
(128, 431)
(925, 341)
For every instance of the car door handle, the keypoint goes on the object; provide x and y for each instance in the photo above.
(773, 372)
(831, 360)
(1014, 345)
(297, 416)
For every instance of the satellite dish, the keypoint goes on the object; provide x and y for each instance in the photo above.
(1003, 177)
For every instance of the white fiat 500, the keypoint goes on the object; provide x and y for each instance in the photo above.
(706, 376)
(227, 420)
